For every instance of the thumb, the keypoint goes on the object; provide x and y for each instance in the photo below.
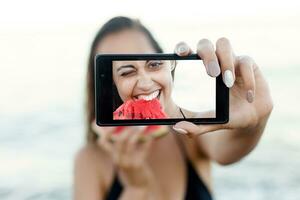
(190, 128)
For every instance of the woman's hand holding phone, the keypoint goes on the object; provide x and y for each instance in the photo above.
(250, 101)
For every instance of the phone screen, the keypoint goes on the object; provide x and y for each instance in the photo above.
(155, 89)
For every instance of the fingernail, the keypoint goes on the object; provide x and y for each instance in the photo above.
(213, 68)
(180, 130)
(250, 96)
(228, 78)
(182, 49)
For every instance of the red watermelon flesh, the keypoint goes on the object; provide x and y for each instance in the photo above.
(141, 109)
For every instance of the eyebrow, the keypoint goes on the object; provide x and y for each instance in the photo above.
(124, 66)
(128, 66)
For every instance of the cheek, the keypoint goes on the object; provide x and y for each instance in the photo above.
(169, 82)
(165, 80)
(125, 89)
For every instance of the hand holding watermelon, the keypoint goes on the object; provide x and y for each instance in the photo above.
(128, 154)
(124, 144)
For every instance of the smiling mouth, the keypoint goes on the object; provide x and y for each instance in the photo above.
(151, 96)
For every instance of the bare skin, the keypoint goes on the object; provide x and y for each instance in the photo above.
(156, 169)
(165, 160)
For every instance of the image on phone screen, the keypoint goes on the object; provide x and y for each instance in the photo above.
(147, 89)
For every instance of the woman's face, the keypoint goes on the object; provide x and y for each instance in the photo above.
(138, 79)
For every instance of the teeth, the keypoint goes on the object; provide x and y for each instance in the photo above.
(150, 96)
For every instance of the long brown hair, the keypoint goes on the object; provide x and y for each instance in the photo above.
(114, 25)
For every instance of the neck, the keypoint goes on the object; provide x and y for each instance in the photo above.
(172, 110)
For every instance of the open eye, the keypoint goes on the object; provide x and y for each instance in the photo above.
(155, 64)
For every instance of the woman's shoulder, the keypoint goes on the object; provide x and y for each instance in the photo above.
(92, 156)
(87, 153)
(91, 161)
(93, 172)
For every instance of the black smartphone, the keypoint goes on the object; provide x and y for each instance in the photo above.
(162, 89)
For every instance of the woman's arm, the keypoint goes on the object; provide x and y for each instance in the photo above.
(227, 146)
(250, 105)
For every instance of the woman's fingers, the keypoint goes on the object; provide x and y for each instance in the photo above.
(134, 139)
(124, 140)
(193, 129)
(146, 145)
(206, 51)
(99, 130)
(182, 49)
(120, 142)
(246, 68)
(148, 142)
(120, 146)
(226, 59)
(104, 135)
(126, 146)
(104, 141)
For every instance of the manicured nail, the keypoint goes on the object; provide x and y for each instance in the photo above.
(213, 68)
(228, 78)
(182, 49)
(250, 96)
(180, 130)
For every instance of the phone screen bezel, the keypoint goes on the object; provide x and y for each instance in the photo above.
(103, 92)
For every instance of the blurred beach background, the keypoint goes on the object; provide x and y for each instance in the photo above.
(43, 58)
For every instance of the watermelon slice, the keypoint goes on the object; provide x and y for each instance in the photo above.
(142, 109)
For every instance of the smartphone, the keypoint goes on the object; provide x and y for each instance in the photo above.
(157, 89)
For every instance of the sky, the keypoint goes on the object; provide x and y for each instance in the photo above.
(46, 41)
(59, 12)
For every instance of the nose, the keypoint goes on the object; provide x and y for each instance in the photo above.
(144, 82)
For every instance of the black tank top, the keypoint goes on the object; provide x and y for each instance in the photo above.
(195, 188)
